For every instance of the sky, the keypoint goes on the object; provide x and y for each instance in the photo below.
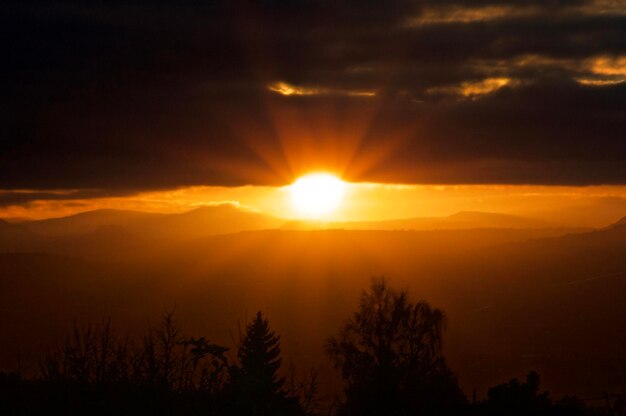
(113, 102)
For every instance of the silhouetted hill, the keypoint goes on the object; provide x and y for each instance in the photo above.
(6, 226)
(106, 242)
(130, 235)
(41, 293)
(479, 219)
(620, 223)
(227, 218)
(209, 220)
(514, 301)
(554, 304)
(459, 221)
(14, 237)
(87, 222)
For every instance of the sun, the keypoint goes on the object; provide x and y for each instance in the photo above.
(317, 194)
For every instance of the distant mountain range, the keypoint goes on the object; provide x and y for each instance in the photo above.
(208, 220)
(103, 233)
(227, 218)
(117, 233)
(459, 221)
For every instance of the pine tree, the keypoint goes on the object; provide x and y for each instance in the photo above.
(259, 355)
(255, 382)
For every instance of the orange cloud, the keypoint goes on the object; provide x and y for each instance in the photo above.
(472, 89)
(285, 89)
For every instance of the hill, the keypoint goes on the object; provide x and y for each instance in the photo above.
(208, 220)
(620, 223)
(460, 221)
(130, 235)
(551, 304)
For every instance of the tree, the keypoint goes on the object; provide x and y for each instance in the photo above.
(389, 354)
(515, 398)
(256, 384)
(97, 372)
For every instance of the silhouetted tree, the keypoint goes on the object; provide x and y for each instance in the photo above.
(212, 377)
(96, 372)
(256, 384)
(389, 354)
(91, 354)
(570, 406)
(306, 390)
(515, 398)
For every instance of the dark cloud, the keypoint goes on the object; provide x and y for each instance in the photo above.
(24, 198)
(148, 95)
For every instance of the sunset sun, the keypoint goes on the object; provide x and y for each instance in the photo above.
(317, 194)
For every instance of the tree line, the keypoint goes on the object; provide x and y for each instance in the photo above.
(389, 355)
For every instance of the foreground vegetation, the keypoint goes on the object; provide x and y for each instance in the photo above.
(389, 355)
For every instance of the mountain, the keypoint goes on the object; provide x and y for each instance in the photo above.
(109, 242)
(620, 223)
(466, 220)
(208, 220)
(129, 235)
(204, 221)
(87, 222)
(460, 221)
(227, 218)
(6, 226)
(126, 235)
(476, 219)
(14, 237)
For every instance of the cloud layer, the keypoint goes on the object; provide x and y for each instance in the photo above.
(152, 95)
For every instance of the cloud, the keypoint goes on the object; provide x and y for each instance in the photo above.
(446, 14)
(473, 89)
(481, 12)
(611, 66)
(140, 96)
(13, 198)
(283, 88)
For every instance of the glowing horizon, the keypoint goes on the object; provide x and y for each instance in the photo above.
(560, 205)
